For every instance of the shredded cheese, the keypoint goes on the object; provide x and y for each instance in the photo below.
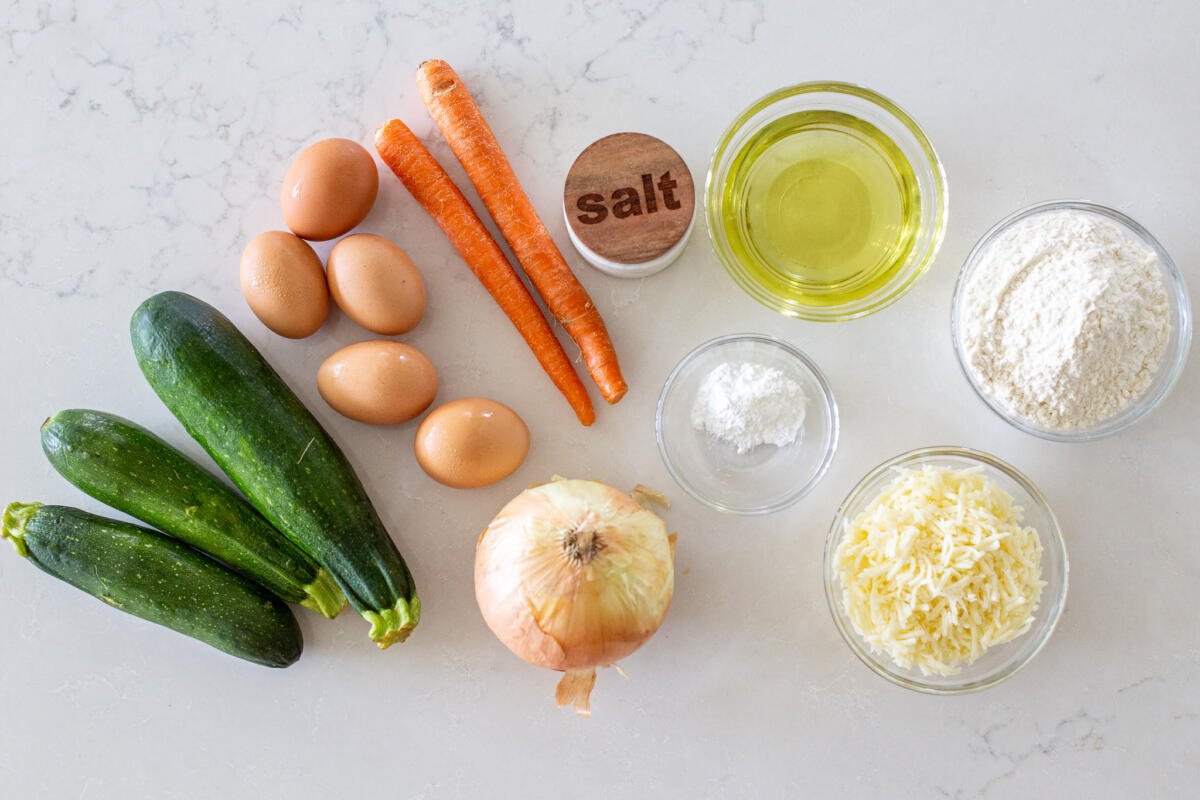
(938, 568)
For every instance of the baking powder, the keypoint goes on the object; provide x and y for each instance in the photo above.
(748, 405)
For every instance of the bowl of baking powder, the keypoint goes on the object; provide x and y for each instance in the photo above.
(747, 424)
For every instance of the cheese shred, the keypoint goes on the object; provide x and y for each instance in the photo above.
(938, 568)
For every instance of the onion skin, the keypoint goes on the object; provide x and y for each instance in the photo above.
(574, 574)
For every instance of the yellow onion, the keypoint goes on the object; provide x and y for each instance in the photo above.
(572, 575)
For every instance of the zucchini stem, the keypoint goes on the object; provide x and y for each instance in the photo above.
(393, 625)
(12, 525)
(324, 596)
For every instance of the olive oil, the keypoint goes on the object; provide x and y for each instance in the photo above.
(821, 207)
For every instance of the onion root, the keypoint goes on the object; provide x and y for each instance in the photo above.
(575, 689)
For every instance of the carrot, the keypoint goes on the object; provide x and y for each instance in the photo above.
(467, 132)
(425, 179)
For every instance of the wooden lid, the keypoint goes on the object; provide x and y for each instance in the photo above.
(629, 198)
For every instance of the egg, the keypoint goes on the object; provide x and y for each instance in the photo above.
(328, 189)
(376, 284)
(379, 382)
(284, 284)
(472, 442)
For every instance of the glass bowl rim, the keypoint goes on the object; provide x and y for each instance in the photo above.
(1173, 363)
(890, 292)
(829, 403)
(1050, 539)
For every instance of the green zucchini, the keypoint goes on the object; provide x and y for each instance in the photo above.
(238, 408)
(129, 468)
(152, 576)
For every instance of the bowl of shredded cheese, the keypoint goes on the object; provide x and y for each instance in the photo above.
(945, 570)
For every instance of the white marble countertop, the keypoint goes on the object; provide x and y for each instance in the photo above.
(143, 146)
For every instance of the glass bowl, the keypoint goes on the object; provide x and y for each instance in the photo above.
(1174, 356)
(767, 478)
(771, 289)
(998, 662)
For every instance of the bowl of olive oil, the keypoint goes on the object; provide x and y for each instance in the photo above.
(825, 201)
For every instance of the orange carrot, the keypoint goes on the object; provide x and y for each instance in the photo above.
(464, 128)
(425, 179)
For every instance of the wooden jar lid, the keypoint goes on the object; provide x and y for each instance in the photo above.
(629, 203)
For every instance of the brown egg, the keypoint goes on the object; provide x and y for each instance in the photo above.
(379, 382)
(328, 189)
(376, 284)
(471, 443)
(284, 284)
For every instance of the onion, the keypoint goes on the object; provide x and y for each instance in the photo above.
(572, 575)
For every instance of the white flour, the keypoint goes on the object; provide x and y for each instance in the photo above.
(747, 405)
(1065, 319)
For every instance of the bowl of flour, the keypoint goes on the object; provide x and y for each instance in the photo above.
(1070, 320)
(746, 424)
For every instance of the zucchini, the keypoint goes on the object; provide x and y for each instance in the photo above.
(129, 468)
(144, 573)
(238, 408)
